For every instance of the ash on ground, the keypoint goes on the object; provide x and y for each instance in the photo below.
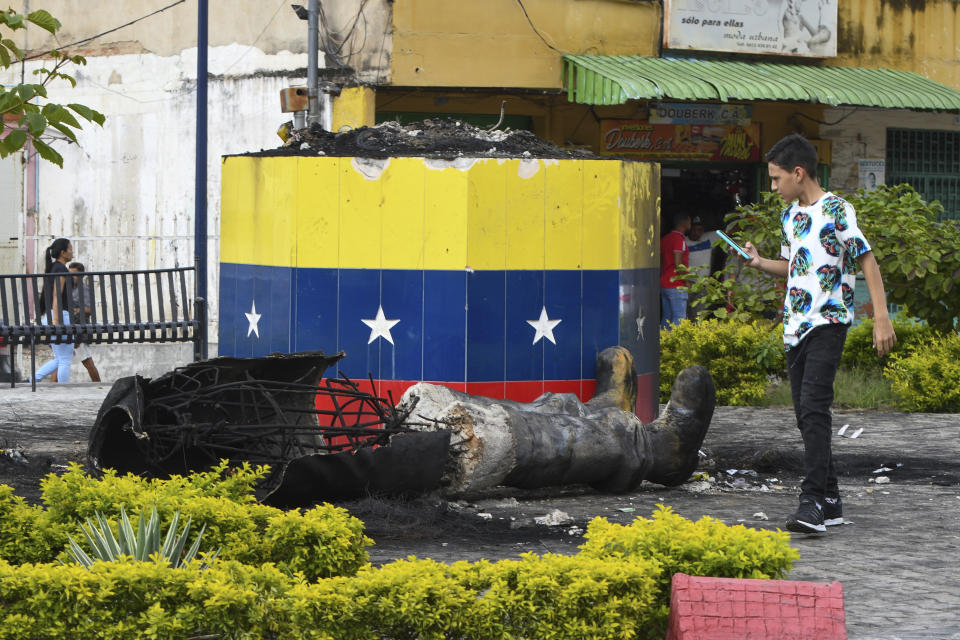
(24, 472)
(444, 138)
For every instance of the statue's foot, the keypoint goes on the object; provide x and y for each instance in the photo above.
(676, 435)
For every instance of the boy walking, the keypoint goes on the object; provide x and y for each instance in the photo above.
(821, 248)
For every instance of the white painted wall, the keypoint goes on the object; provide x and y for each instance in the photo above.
(125, 196)
(863, 135)
(11, 212)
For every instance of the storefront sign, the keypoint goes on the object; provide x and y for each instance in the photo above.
(686, 113)
(872, 173)
(780, 27)
(698, 142)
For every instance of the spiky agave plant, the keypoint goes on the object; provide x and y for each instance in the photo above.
(143, 544)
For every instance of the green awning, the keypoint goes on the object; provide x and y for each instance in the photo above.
(591, 79)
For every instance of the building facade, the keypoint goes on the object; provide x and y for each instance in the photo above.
(579, 73)
(720, 56)
(125, 196)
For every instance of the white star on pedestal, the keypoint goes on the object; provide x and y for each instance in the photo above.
(254, 319)
(640, 321)
(544, 326)
(380, 327)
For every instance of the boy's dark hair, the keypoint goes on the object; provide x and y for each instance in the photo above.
(794, 151)
(78, 266)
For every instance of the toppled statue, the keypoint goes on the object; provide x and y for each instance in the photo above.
(325, 440)
(558, 440)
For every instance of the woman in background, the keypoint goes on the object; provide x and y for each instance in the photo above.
(55, 306)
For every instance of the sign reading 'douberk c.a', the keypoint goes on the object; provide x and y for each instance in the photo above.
(778, 27)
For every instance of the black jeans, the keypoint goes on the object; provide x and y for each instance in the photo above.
(813, 367)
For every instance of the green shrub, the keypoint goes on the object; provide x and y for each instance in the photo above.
(322, 541)
(928, 379)
(859, 352)
(76, 495)
(128, 599)
(740, 356)
(574, 597)
(706, 547)
(536, 597)
(616, 587)
(25, 536)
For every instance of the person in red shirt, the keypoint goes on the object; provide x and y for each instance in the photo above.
(673, 251)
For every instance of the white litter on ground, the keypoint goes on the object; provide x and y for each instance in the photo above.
(555, 518)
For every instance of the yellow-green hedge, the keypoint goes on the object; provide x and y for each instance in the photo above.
(616, 587)
(25, 535)
(928, 378)
(740, 356)
(320, 542)
(706, 547)
(535, 597)
(859, 352)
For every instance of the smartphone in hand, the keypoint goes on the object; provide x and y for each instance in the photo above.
(733, 244)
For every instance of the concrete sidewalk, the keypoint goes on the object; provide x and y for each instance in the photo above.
(897, 561)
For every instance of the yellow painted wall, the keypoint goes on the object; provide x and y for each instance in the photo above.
(922, 36)
(355, 107)
(491, 44)
(411, 213)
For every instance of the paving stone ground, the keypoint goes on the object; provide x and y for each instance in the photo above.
(898, 561)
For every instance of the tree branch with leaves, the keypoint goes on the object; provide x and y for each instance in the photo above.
(26, 114)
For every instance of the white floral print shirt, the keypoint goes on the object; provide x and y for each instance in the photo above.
(822, 243)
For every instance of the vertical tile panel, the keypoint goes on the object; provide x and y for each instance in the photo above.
(278, 315)
(486, 215)
(316, 310)
(444, 326)
(237, 237)
(601, 214)
(402, 229)
(359, 291)
(275, 214)
(600, 317)
(268, 287)
(563, 233)
(445, 216)
(562, 294)
(485, 326)
(253, 286)
(640, 292)
(361, 200)
(318, 213)
(639, 215)
(525, 214)
(524, 295)
(402, 299)
(230, 316)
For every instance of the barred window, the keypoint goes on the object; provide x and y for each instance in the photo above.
(930, 162)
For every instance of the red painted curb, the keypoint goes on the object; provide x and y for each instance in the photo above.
(736, 609)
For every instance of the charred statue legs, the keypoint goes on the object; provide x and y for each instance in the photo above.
(559, 440)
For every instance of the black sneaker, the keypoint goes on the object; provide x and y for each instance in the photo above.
(832, 511)
(807, 519)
